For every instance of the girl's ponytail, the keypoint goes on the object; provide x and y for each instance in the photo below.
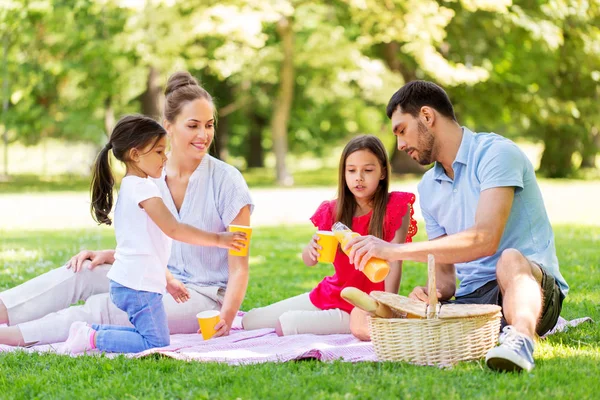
(130, 132)
(103, 182)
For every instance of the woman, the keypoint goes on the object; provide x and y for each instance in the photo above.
(199, 190)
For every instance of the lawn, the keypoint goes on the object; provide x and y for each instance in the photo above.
(566, 364)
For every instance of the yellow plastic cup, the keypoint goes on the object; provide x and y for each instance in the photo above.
(244, 250)
(329, 243)
(207, 321)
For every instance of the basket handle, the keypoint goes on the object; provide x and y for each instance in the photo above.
(433, 307)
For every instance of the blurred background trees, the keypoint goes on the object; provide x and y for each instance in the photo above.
(300, 76)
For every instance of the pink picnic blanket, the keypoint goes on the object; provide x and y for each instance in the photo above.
(263, 345)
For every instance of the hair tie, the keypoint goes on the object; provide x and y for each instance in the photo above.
(108, 146)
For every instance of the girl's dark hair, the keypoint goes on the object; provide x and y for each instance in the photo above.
(182, 88)
(346, 204)
(131, 132)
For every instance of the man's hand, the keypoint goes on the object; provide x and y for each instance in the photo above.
(178, 290)
(97, 258)
(363, 248)
(421, 293)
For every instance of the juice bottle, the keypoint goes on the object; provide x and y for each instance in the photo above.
(376, 269)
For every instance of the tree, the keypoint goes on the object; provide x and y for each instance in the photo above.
(541, 83)
(283, 102)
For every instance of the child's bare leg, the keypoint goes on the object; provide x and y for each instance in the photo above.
(359, 324)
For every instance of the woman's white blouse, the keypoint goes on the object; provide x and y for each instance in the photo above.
(215, 194)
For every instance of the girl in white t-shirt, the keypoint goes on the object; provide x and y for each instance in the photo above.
(143, 225)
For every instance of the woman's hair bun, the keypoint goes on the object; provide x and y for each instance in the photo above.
(179, 80)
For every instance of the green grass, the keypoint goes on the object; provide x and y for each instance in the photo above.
(566, 363)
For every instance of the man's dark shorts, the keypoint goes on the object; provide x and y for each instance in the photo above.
(552, 298)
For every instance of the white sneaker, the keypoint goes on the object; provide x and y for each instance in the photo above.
(79, 338)
(515, 352)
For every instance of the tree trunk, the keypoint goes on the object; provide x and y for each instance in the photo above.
(591, 150)
(283, 103)
(255, 155)
(150, 99)
(220, 148)
(562, 139)
(400, 161)
(5, 103)
(556, 159)
(109, 116)
(391, 53)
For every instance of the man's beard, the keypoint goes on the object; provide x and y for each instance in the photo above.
(426, 144)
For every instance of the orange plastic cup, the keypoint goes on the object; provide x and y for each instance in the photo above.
(329, 243)
(244, 250)
(207, 321)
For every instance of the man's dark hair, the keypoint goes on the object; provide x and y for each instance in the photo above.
(416, 94)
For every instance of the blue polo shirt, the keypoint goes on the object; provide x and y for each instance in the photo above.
(484, 161)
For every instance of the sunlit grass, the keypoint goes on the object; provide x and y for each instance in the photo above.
(566, 363)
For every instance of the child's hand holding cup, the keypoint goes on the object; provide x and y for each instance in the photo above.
(245, 243)
(329, 244)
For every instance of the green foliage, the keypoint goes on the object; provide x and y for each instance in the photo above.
(564, 362)
(519, 68)
(544, 76)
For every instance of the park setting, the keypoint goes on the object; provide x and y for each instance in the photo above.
(278, 92)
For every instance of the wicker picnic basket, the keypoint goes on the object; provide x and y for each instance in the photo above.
(434, 334)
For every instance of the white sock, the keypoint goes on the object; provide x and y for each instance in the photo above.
(81, 338)
(75, 327)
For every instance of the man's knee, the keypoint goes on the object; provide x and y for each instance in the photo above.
(512, 265)
(511, 261)
(510, 257)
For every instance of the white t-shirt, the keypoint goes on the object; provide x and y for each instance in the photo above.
(142, 248)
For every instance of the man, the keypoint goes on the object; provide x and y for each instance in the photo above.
(486, 223)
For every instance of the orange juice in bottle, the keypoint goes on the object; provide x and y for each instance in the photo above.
(376, 269)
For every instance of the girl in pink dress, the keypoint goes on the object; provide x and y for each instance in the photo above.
(364, 204)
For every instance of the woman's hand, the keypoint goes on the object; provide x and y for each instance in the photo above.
(223, 326)
(96, 257)
(231, 240)
(178, 290)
